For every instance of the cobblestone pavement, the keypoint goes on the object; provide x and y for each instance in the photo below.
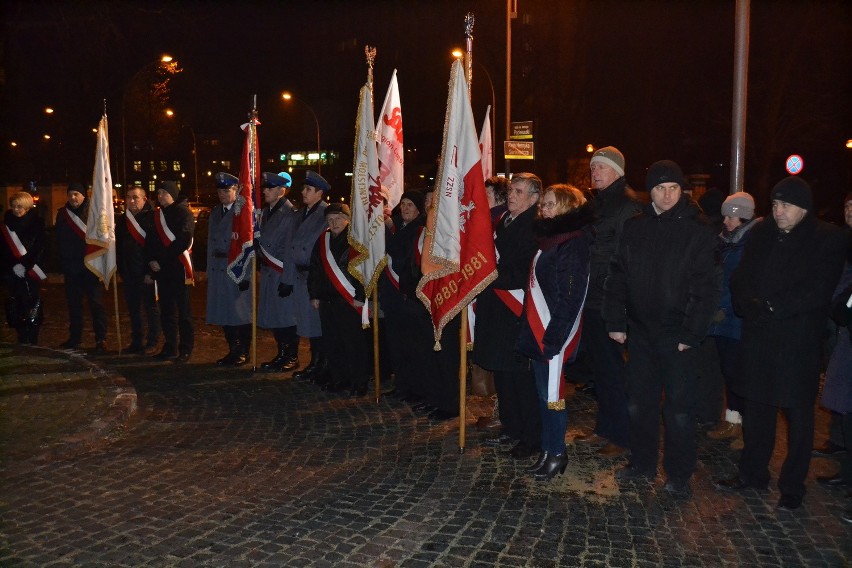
(221, 468)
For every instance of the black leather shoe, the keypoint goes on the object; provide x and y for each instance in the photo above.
(166, 354)
(183, 357)
(502, 439)
(522, 451)
(631, 472)
(542, 457)
(832, 480)
(228, 359)
(289, 364)
(134, 349)
(736, 483)
(828, 449)
(305, 373)
(553, 466)
(790, 502)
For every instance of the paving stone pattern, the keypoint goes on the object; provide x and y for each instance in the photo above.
(222, 468)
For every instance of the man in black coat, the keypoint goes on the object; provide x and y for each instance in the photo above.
(614, 203)
(79, 280)
(782, 289)
(661, 293)
(168, 249)
(498, 320)
(131, 229)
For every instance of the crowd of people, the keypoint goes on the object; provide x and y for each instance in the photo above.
(642, 290)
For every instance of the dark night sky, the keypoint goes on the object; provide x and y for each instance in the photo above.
(653, 78)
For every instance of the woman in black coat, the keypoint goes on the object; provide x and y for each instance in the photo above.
(550, 328)
(23, 247)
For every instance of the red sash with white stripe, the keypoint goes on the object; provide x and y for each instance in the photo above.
(538, 316)
(135, 229)
(167, 237)
(335, 275)
(77, 225)
(270, 261)
(418, 252)
(19, 250)
(513, 299)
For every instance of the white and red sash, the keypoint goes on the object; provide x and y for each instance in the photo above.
(471, 323)
(335, 274)
(167, 237)
(418, 252)
(19, 250)
(77, 225)
(513, 299)
(135, 229)
(266, 257)
(538, 316)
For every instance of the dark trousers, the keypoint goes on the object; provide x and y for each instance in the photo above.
(79, 285)
(710, 384)
(759, 423)
(730, 363)
(519, 406)
(26, 293)
(141, 299)
(608, 362)
(416, 349)
(284, 336)
(656, 368)
(176, 314)
(240, 336)
(554, 423)
(346, 343)
(441, 380)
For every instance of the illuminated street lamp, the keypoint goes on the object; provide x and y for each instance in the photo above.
(48, 110)
(170, 113)
(590, 148)
(288, 96)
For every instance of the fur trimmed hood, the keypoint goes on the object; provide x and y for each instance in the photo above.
(551, 232)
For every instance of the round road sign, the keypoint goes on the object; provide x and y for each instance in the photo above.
(794, 164)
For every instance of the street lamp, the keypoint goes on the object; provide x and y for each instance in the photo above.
(168, 63)
(170, 113)
(287, 96)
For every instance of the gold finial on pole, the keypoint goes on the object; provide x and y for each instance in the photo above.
(370, 52)
(468, 60)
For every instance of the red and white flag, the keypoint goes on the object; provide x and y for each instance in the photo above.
(459, 258)
(242, 235)
(485, 146)
(100, 226)
(391, 150)
(367, 229)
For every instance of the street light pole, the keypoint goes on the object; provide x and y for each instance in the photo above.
(170, 113)
(287, 96)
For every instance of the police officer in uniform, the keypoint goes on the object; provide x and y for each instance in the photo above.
(310, 223)
(228, 303)
(275, 309)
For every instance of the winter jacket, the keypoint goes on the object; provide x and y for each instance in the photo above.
(182, 224)
(613, 206)
(664, 282)
(782, 288)
(71, 246)
(726, 323)
(320, 285)
(30, 230)
(132, 264)
(562, 272)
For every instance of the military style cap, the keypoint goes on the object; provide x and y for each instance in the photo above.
(313, 179)
(274, 180)
(224, 180)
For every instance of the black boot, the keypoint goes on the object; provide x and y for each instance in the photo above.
(277, 360)
(292, 360)
(553, 465)
(232, 356)
(320, 372)
(308, 371)
(542, 458)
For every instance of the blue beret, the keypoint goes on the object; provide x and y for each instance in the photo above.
(287, 177)
(313, 179)
(274, 180)
(224, 180)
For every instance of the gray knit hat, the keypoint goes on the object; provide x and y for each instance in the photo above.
(611, 157)
(740, 205)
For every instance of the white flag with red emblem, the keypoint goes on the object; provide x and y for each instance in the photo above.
(459, 259)
(367, 230)
(485, 146)
(391, 150)
(100, 226)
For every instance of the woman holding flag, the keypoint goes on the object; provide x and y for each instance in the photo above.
(550, 328)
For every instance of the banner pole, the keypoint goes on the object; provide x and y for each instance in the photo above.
(376, 360)
(117, 320)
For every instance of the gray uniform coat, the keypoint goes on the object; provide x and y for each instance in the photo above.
(277, 226)
(308, 230)
(226, 304)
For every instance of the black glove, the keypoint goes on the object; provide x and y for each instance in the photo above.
(243, 286)
(285, 290)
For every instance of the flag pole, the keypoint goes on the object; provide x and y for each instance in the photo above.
(370, 53)
(117, 320)
(468, 32)
(253, 177)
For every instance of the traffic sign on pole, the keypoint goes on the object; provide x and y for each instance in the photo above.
(794, 164)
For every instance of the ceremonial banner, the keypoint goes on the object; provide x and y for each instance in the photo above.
(242, 237)
(485, 146)
(100, 226)
(367, 229)
(459, 257)
(391, 150)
